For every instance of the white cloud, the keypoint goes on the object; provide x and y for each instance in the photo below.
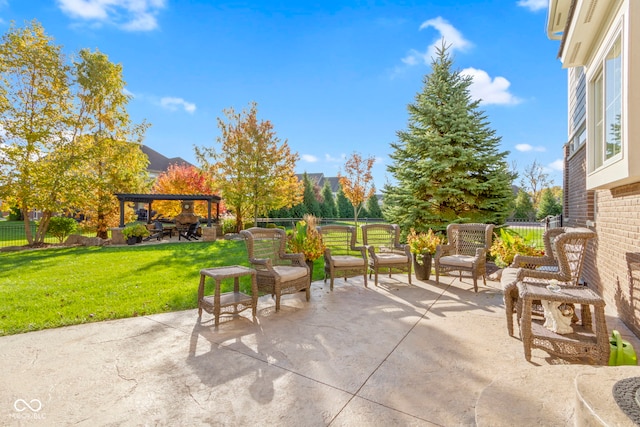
(445, 31)
(173, 104)
(309, 158)
(340, 159)
(557, 165)
(130, 15)
(490, 91)
(527, 147)
(534, 5)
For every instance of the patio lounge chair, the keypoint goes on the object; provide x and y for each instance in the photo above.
(342, 258)
(466, 250)
(277, 272)
(384, 249)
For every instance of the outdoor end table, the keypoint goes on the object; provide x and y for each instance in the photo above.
(583, 342)
(228, 302)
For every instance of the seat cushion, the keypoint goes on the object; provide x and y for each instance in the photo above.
(288, 273)
(509, 275)
(458, 260)
(390, 258)
(347, 261)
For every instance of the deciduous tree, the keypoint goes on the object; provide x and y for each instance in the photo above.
(357, 182)
(109, 145)
(534, 180)
(183, 179)
(524, 208)
(254, 169)
(446, 163)
(35, 103)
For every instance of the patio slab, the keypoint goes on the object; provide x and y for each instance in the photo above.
(396, 354)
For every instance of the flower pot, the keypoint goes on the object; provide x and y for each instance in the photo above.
(132, 240)
(422, 266)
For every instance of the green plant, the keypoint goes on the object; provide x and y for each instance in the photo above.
(508, 244)
(135, 230)
(423, 243)
(306, 239)
(61, 227)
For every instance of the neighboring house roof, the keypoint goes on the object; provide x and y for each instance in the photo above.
(159, 163)
(320, 179)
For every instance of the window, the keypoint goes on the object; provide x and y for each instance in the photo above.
(578, 140)
(607, 107)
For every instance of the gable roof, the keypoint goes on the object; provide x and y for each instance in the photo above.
(159, 163)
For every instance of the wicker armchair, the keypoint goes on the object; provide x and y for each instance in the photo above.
(466, 250)
(565, 249)
(385, 251)
(277, 272)
(342, 257)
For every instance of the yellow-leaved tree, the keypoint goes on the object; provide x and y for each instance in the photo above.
(254, 170)
(35, 106)
(108, 144)
(357, 181)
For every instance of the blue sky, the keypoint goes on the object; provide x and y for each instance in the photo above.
(333, 77)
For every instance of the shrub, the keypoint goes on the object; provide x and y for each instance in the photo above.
(61, 227)
(507, 245)
(135, 230)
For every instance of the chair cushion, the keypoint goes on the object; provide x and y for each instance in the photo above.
(509, 275)
(288, 272)
(458, 260)
(389, 258)
(347, 261)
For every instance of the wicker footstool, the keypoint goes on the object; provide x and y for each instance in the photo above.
(584, 342)
(228, 302)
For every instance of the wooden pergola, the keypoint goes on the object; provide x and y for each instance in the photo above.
(149, 198)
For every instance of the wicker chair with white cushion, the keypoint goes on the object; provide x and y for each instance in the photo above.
(342, 258)
(466, 250)
(385, 250)
(277, 272)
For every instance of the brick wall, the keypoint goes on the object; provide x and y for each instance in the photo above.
(612, 262)
(617, 252)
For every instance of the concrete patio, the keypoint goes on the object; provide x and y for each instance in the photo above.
(397, 354)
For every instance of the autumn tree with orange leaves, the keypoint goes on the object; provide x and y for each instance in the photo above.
(253, 168)
(357, 182)
(183, 179)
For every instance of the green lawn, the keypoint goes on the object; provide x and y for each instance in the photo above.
(48, 288)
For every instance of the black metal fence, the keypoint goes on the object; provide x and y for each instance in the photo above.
(13, 234)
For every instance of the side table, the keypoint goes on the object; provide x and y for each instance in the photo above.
(583, 342)
(228, 302)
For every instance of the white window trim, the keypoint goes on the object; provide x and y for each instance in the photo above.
(595, 70)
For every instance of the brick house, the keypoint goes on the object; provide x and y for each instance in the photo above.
(600, 48)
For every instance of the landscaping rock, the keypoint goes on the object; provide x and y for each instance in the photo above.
(79, 240)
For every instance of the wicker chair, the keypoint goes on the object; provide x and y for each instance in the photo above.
(567, 247)
(466, 250)
(342, 257)
(385, 251)
(277, 272)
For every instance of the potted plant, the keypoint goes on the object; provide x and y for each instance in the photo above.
(134, 233)
(306, 239)
(423, 247)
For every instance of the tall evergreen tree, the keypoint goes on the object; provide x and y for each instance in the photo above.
(549, 205)
(345, 208)
(524, 206)
(328, 206)
(309, 197)
(373, 207)
(447, 164)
